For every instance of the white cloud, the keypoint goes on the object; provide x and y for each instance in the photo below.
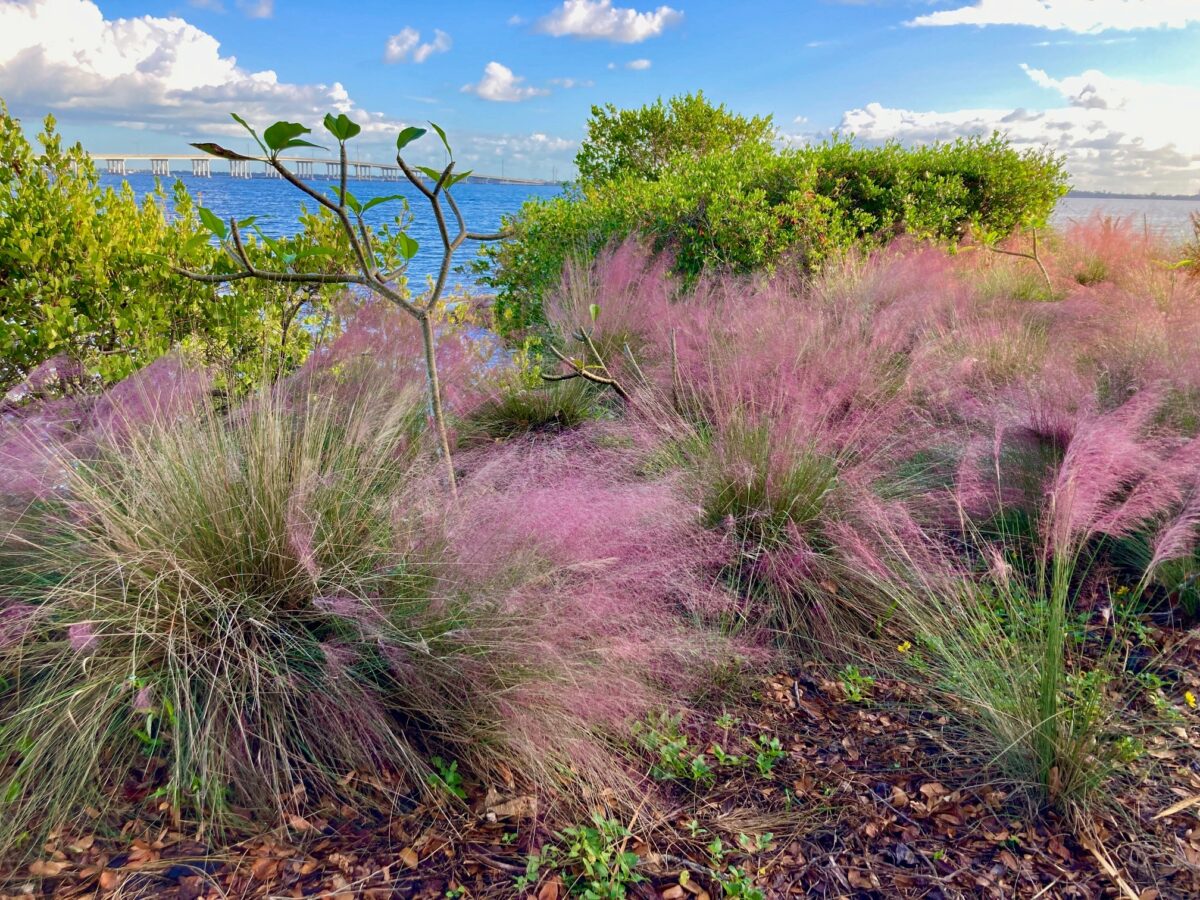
(408, 41)
(519, 147)
(400, 44)
(1082, 16)
(569, 83)
(638, 65)
(1117, 134)
(500, 85)
(257, 9)
(600, 19)
(162, 73)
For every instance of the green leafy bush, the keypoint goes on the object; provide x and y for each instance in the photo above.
(643, 142)
(84, 273)
(744, 209)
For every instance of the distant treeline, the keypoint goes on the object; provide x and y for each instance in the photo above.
(1108, 195)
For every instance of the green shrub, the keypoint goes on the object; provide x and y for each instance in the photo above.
(84, 272)
(745, 209)
(643, 142)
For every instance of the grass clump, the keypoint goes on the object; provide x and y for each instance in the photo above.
(239, 611)
(523, 407)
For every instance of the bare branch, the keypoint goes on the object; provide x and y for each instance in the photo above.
(281, 277)
(1033, 256)
(337, 209)
(585, 372)
(413, 177)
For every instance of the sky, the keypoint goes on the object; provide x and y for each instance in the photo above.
(1114, 85)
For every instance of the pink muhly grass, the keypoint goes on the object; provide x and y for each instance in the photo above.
(82, 637)
(171, 387)
(1106, 457)
(625, 561)
(1178, 537)
(380, 349)
(16, 621)
(632, 290)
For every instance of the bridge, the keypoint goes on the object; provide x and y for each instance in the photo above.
(304, 167)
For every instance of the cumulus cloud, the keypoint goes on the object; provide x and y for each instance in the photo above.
(1117, 134)
(162, 73)
(406, 44)
(599, 19)
(1081, 16)
(500, 85)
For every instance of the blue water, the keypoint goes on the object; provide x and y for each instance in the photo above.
(1167, 218)
(277, 204)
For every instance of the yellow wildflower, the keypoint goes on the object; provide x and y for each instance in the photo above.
(1190, 699)
(904, 647)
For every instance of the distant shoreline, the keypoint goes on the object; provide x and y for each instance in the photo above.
(1106, 195)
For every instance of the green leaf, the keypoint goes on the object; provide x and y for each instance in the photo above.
(246, 223)
(434, 174)
(349, 200)
(279, 135)
(253, 133)
(594, 311)
(217, 150)
(461, 176)
(213, 222)
(408, 247)
(341, 128)
(194, 243)
(408, 135)
(270, 242)
(376, 201)
(442, 135)
(290, 144)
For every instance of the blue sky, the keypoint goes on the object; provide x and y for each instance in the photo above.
(1113, 84)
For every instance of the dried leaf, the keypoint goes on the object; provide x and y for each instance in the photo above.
(1177, 807)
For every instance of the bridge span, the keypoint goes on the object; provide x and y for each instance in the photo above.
(304, 167)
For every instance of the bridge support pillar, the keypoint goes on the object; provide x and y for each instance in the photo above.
(304, 168)
(115, 166)
(160, 168)
(202, 167)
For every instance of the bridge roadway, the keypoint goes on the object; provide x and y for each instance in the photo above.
(304, 167)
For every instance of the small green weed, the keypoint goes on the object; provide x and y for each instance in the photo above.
(591, 859)
(447, 777)
(674, 758)
(770, 751)
(855, 684)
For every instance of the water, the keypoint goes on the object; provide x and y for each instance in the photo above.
(1167, 218)
(277, 204)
